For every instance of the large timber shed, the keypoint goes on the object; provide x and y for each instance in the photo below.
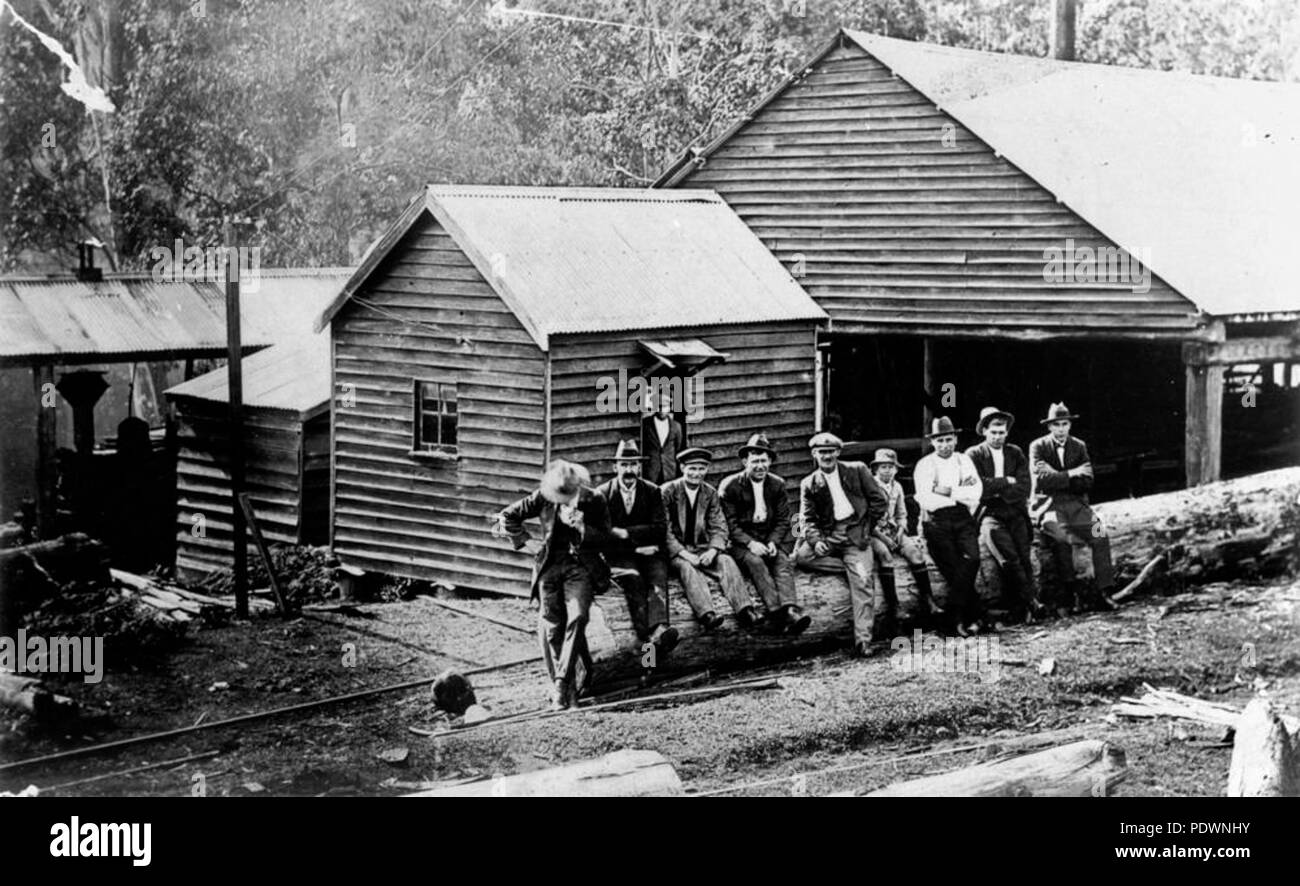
(917, 191)
(472, 344)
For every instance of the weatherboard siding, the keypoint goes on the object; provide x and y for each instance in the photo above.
(427, 314)
(894, 216)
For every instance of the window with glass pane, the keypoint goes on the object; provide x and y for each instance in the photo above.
(435, 415)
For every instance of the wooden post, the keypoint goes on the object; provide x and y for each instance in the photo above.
(1062, 38)
(235, 383)
(47, 405)
(1203, 398)
(250, 518)
(927, 383)
(819, 383)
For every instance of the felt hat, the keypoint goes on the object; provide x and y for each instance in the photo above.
(562, 481)
(757, 443)
(1058, 412)
(628, 451)
(988, 413)
(886, 457)
(942, 427)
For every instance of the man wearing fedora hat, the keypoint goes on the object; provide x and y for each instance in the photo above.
(638, 546)
(1062, 477)
(1003, 513)
(697, 543)
(568, 569)
(889, 539)
(839, 503)
(758, 514)
(948, 489)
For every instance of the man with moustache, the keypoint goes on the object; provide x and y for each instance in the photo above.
(1003, 513)
(758, 515)
(1062, 477)
(840, 503)
(948, 489)
(638, 545)
(697, 543)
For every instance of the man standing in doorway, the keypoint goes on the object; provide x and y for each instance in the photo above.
(1062, 476)
(839, 505)
(662, 439)
(948, 489)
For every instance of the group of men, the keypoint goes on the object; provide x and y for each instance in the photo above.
(658, 516)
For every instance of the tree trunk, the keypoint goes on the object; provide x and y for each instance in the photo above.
(1082, 769)
(1213, 532)
(1265, 754)
(627, 773)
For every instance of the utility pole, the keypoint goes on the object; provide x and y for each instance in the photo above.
(1063, 18)
(235, 385)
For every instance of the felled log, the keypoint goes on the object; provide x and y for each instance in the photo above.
(627, 773)
(1208, 533)
(1265, 754)
(32, 574)
(1082, 769)
(27, 695)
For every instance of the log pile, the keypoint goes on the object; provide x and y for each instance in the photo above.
(1236, 528)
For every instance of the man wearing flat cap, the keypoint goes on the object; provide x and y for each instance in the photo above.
(569, 569)
(889, 540)
(758, 515)
(840, 502)
(1062, 477)
(1003, 513)
(948, 489)
(697, 543)
(638, 548)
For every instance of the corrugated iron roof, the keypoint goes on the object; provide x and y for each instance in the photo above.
(570, 260)
(130, 316)
(292, 375)
(1202, 171)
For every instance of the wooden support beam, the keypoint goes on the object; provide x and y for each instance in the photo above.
(46, 472)
(1203, 429)
(1264, 349)
(928, 374)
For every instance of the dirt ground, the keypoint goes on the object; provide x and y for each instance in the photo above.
(839, 723)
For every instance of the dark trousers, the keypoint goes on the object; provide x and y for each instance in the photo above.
(953, 540)
(1075, 520)
(1009, 534)
(566, 591)
(772, 577)
(646, 591)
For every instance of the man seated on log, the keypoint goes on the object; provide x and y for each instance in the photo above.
(889, 539)
(569, 569)
(948, 489)
(758, 514)
(1003, 513)
(638, 545)
(697, 543)
(1062, 476)
(839, 504)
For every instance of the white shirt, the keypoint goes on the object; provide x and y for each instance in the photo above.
(933, 471)
(1060, 454)
(662, 426)
(691, 494)
(629, 496)
(843, 507)
(760, 506)
(999, 462)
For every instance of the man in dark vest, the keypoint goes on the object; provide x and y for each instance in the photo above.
(1003, 512)
(638, 548)
(840, 502)
(758, 515)
(662, 439)
(569, 569)
(697, 543)
(1062, 476)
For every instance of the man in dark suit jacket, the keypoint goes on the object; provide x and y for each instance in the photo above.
(638, 546)
(1003, 513)
(758, 515)
(697, 543)
(839, 504)
(569, 568)
(1062, 477)
(662, 438)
